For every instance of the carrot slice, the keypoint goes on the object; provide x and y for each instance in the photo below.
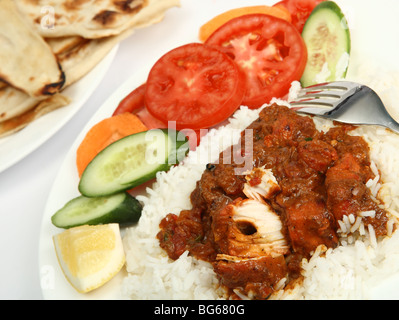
(212, 25)
(103, 134)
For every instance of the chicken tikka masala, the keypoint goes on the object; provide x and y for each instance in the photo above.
(256, 228)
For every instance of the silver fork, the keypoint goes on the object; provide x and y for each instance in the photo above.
(346, 102)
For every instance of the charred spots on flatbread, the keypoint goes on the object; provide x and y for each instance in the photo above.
(56, 87)
(3, 81)
(37, 36)
(74, 4)
(92, 19)
(130, 6)
(105, 17)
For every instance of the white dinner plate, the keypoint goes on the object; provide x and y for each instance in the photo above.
(53, 282)
(375, 33)
(17, 146)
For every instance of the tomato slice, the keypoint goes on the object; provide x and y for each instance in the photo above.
(195, 85)
(300, 10)
(212, 25)
(132, 102)
(269, 50)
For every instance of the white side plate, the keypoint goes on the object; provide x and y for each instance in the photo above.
(15, 147)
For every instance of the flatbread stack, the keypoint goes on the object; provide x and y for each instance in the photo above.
(47, 45)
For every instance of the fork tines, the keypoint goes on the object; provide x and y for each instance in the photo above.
(325, 95)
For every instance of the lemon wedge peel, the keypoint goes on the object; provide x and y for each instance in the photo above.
(90, 256)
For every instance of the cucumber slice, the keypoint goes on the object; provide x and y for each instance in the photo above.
(132, 161)
(120, 208)
(328, 41)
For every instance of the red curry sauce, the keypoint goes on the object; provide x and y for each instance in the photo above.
(322, 177)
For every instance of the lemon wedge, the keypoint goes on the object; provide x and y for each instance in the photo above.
(90, 256)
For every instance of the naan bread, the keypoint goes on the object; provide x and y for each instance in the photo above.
(90, 18)
(85, 54)
(61, 45)
(3, 84)
(14, 102)
(75, 54)
(26, 61)
(81, 59)
(17, 123)
(77, 59)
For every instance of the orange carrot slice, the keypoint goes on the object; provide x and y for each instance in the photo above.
(103, 134)
(212, 25)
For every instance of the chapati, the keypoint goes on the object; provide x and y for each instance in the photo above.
(90, 18)
(26, 61)
(74, 48)
(14, 102)
(63, 44)
(17, 123)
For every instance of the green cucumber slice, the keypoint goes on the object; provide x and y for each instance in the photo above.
(119, 208)
(328, 41)
(132, 161)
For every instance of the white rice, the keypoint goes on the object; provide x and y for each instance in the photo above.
(347, 272)
(151, 274)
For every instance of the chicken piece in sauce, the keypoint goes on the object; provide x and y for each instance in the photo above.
(249, 229)
(256, 228)
(257, 278)
(261, 184)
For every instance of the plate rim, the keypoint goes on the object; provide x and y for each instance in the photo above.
(105, 110)
(102, 67)
(67, 159)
